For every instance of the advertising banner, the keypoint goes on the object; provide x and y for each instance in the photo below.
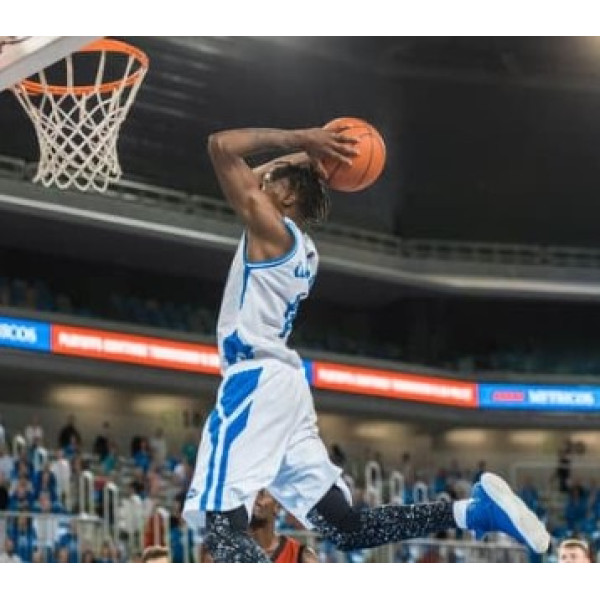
(539, 397)
(390, 384)
(24, 335)
(136, 349)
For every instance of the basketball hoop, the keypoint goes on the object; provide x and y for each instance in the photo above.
(77, 120)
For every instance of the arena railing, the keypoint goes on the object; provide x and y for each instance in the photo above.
(86, 494)
(110, 499)
(374, 241)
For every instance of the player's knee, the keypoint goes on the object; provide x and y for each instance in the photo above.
(231, 521)
(335, 510)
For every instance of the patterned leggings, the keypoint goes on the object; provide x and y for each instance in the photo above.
(227, 541)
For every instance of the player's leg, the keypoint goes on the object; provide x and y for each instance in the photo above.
(492, 507)
(227, 538)
(241, 450)
(309, 486)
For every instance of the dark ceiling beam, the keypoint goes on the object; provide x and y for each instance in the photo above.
(510, 76)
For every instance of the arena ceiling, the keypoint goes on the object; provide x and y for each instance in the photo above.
(490, 139)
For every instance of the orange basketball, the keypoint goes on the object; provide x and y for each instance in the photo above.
(366, 167)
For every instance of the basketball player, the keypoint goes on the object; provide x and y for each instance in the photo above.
(262, 432)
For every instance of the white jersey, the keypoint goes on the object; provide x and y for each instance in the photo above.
(261, 300)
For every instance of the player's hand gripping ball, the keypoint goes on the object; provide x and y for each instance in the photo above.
(366, 167)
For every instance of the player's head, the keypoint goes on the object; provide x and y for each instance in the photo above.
(298, 189)
(574, 551)
(264, 511)
(156, 554)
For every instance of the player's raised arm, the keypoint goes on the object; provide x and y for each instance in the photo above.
(262, 211)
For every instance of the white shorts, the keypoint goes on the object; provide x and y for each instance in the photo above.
(261, 434)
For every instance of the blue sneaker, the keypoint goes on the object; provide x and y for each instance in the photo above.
(495, 507)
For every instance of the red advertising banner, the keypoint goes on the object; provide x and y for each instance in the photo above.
(141, 350)
(388, 384)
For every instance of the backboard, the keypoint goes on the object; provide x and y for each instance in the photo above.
(22, 56)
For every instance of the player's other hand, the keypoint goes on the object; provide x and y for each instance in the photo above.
(320, 143)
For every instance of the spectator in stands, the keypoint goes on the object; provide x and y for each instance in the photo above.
(279, 548)
(454, 471)
(136, 442)
(563, 468)
(88, 556)
(9, 555)
(154, 529)
(22, 467)
(4, 498)
(72, 448)
(358, 499)
(440, 482)
(3, 435)
(133, 513)
(23, 538)
(21, 499)
(178, 534)
(37, 455)
(62, 555)
(38, 556)
(481, 469)
(189, 449)
(65, 437)
(6, 462)
(109, 462)
(576, 508)
(263, 529)
(183, 473)
(108, 553)
(574, 550)
(154, 481)
(158, 447)
(69, 542)
(44, 482)
(407, 469)
(45, 526)
(594, 501)
(34, 432)
(101, 445)
(142, 457)
(61, 468)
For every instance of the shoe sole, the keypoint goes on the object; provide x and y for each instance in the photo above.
(525, 521)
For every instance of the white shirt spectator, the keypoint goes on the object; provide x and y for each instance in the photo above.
(62, 471)
(6, 463)
(34, 432)
(45, 526)
(8, 554)
(158, 446)
(13, 558)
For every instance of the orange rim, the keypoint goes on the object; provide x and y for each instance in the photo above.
(106, 45)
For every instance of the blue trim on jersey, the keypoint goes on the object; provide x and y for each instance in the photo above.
(244, 284)
(213, 428)
(237, 388)
(233, 431)
(275, 262)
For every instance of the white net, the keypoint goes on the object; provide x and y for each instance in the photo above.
(77, 126)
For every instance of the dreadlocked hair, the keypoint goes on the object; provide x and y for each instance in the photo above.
(313, 199)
